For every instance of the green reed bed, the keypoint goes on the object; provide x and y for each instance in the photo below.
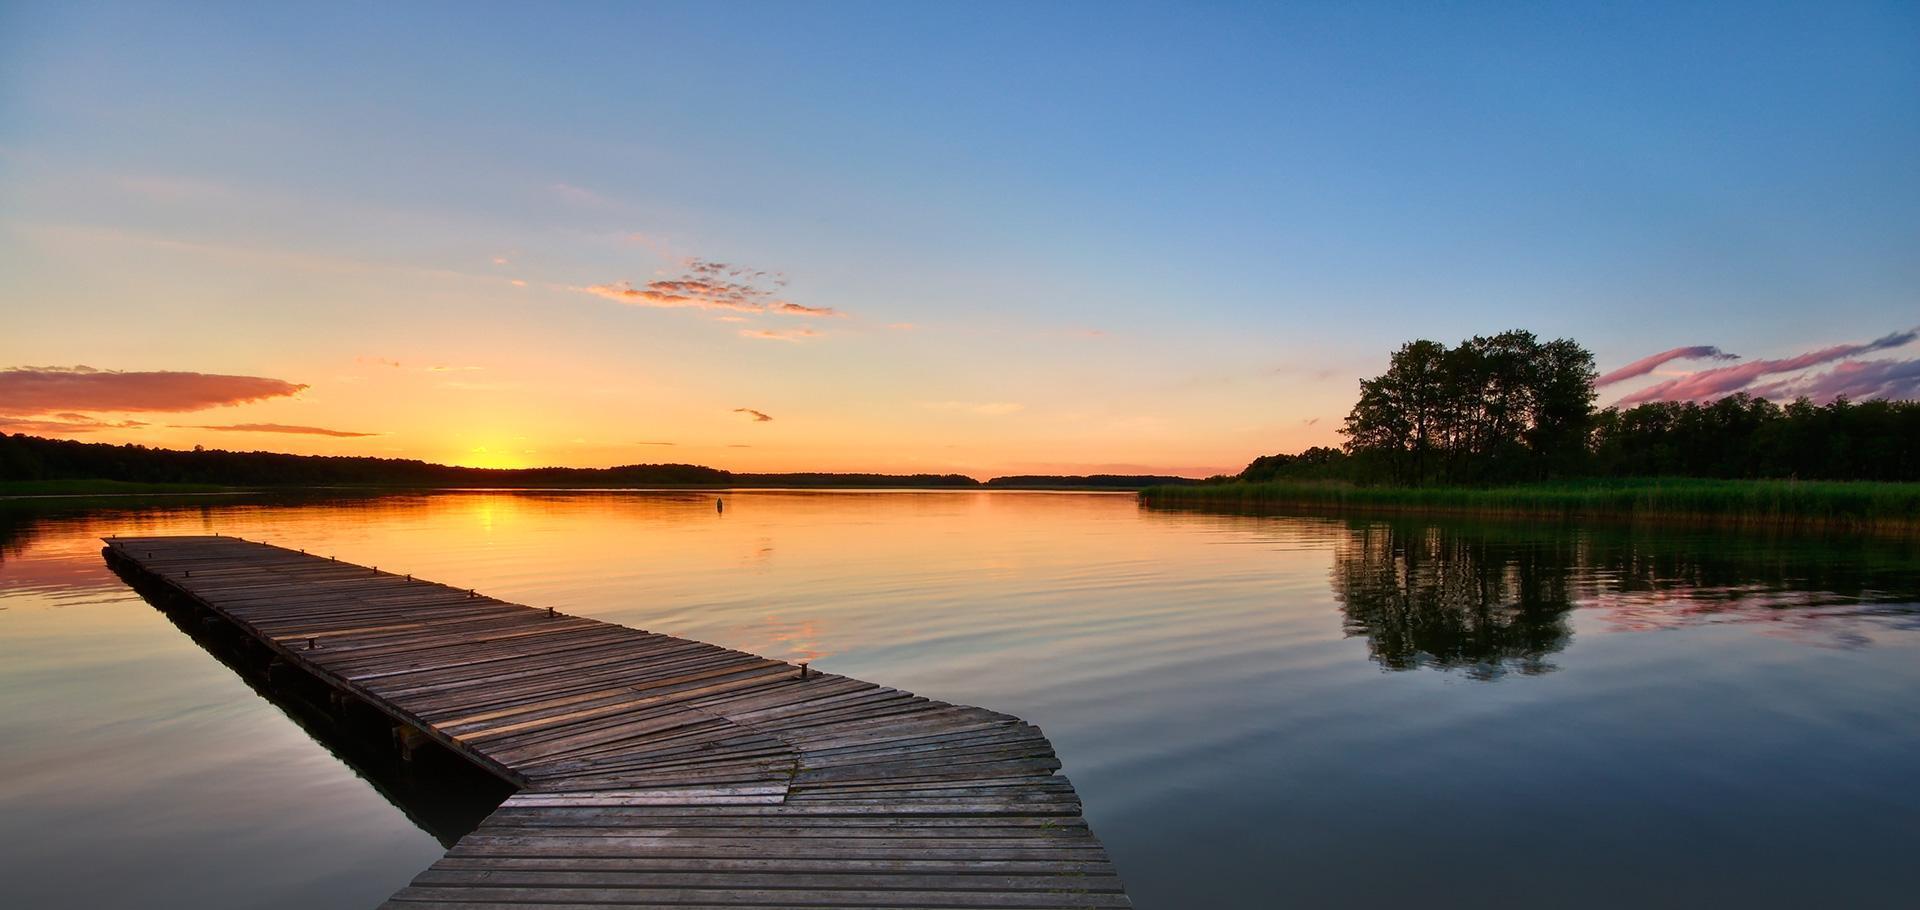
(1882, 507)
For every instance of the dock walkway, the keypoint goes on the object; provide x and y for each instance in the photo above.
(657, 771)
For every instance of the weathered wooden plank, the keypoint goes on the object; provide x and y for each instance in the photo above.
(662, 771)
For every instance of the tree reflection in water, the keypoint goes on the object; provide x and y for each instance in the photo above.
(1431, 596)
(1489, 599)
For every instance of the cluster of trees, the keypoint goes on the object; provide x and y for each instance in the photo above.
(25, 457)
(1499, 407)
(1509, 407)
(1316, 463)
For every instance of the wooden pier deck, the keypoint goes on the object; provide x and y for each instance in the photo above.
(657, 771)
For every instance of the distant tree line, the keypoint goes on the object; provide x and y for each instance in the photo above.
(1106, 481)
(25, 457)
(1509, 408)
(1744, 436)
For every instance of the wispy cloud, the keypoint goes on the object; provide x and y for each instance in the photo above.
(277, 428)
(1727, 380)
(713, 269)
(40, 390)
(779, 334)
(983, 408)
(709, 285)
(684, 292)
(65, 423)
(1854, 379)
(758, 416)
(1648, 364)
(653, 443)
(794, 309)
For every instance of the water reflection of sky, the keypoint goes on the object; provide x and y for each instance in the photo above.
(1240, 700)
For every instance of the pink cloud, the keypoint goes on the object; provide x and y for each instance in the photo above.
(40, 390)
(1854, 379)
(1647, 365)
(1727, 380)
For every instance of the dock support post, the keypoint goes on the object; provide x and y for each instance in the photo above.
(407, 740)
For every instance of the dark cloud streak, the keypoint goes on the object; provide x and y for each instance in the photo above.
(709, 285)
(1647, 365)
(276, 428)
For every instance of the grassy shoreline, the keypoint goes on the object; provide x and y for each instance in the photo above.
(1886, 508)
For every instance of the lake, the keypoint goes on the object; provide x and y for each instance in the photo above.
(1256, 710)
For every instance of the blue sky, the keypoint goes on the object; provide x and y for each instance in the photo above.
(1157, 236)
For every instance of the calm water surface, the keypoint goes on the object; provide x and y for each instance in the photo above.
(1256, 710)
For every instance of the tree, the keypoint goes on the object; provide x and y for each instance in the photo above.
(1500, 407)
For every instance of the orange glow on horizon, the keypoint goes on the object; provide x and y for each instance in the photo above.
(490, 457)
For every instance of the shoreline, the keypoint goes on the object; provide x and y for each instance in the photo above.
(1891, 509)
(35, 491)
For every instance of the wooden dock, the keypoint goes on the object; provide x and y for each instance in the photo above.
(657, 771)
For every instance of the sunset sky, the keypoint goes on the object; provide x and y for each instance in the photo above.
(904, 237)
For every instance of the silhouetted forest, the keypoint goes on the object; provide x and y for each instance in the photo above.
(25, 457)
(1509, 408)
(33, 458)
